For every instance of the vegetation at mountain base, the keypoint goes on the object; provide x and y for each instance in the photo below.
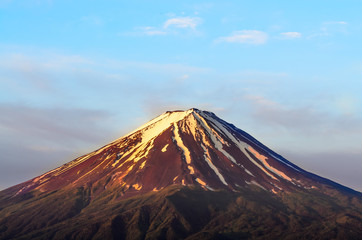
(181, 212)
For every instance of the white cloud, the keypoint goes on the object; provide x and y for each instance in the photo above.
(184, 77)
(254, 37)
(262, 101)
(182, 22)
(330, 28)
(335, 22)
(170, 26)
(152, 31)
(291, 35)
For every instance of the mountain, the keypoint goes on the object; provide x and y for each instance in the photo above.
(185, 174)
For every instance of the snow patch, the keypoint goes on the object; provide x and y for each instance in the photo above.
(156, 126)
(241, 145)
(164, 149)
(216, 140)
(181, 145)
(262, 158)
(248, 172)
(104, 160)
(137, 186)
(211, 165)
(192, 126)
(255, 183)
(200, 181)
(209, 129)
(210, 188)
(143, 164)
(67, 166)
(192, 171)
(135, 154)
(277, 158)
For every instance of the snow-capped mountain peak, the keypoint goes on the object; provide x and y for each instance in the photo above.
(191, 147)
(183, 175)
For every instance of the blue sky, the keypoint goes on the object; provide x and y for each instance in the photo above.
(75, 75)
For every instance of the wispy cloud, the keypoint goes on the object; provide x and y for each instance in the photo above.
(291, 35)
(152, 31)
(55, 125)
(173, 25)
(253, 37)
(305, 120)
(26, 75)
(273, 113)
(335, 22)
(34, 140)
(47, 79)
(330, 28)
(183, 22)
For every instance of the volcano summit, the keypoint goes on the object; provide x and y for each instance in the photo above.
(185, 174)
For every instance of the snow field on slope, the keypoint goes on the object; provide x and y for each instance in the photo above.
(241, 145)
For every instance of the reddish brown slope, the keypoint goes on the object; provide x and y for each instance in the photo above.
(183, 175)
(182, 148)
